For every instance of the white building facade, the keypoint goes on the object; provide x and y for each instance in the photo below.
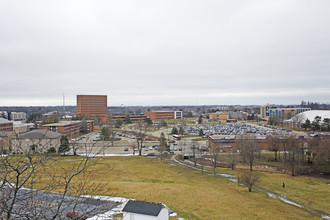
(138, 210)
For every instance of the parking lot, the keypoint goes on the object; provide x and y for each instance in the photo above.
(236, 129)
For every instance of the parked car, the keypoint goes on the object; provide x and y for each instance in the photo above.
(203, 148)
(126, 149)
(150, 148)
(76, 215)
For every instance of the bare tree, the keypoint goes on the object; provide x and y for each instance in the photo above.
(194, 148)
(274, 143)
(162, 145)
(214, 151)
(142, 130)
(248, 179)
(312, 146)
(232, 156)
(298, 119)
(250, 148)
(294, 149)
(112, 135)
(21, 171)
(240, 140)
(322, 160)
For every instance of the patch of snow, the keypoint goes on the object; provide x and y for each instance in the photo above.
(290, 202)
(284, 199)
(173, 214)
(233, 180)
(326, 217)
(108, 155)
(226, 175)
(112, 212)
(73, 159)
(271, 195)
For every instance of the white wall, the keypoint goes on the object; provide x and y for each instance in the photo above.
(163, 215)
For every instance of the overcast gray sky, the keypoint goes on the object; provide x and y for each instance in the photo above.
(165, 52)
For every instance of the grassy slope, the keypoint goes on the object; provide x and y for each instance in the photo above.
(186, 191)
(309, 191)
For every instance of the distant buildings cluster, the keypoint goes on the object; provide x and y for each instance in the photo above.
(93, 109)
(14, 116)
(271, 111)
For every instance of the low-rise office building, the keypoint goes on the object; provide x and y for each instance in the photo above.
(286, 113)
(6, 125)
(18, 116)
(224, 117)
(221, 117)
(271, 111)
(20, 127)
(70, 127)
(164, 115)
(132, 117)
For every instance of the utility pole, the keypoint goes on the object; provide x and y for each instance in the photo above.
(63, 104)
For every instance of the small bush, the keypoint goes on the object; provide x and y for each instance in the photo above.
(51, 150)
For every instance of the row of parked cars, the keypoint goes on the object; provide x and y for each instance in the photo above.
(154, 147)
(78, 138)
(125, 135)
(234, 129)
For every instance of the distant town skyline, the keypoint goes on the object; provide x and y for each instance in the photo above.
(165, 52)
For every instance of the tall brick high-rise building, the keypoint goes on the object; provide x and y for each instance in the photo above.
(92, 105)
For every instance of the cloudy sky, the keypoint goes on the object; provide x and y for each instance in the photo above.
(166, 52)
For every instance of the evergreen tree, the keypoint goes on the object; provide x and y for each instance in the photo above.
(316, 125)
(105, 133)
(83, 127)
(148, 121)
(200, 119)
(174, 130)
(326, 124)
(118, 124)
(64, 145)
(163, 123)
(162, 145)
(201, 132)
(128, 120)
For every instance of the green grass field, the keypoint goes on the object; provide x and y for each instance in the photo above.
(194, 195)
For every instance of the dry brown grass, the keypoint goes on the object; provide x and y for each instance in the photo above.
(186, 191)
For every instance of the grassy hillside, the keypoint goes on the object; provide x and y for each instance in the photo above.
(193, 195)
